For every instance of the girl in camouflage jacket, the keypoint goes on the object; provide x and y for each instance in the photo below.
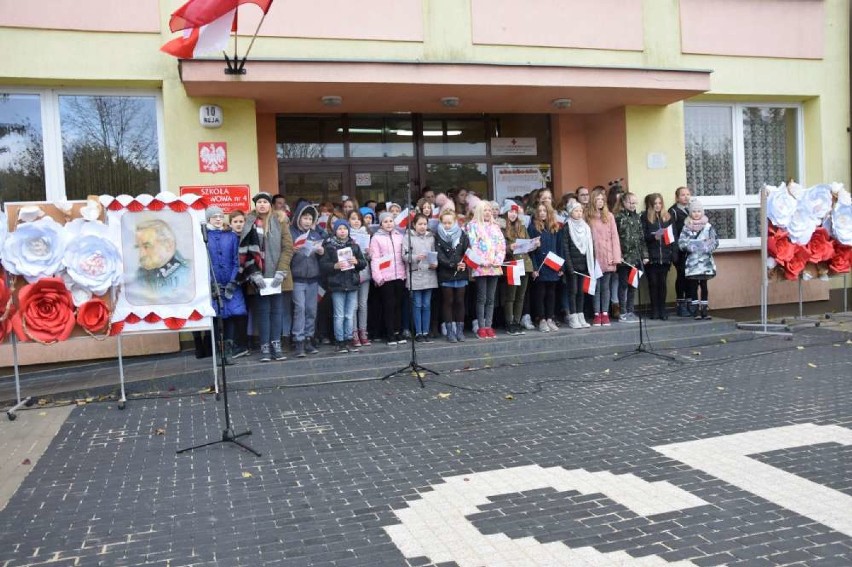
(634, 252)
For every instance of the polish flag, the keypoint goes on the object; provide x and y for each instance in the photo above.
(468, 259)
(385, 262)
(204, 40)
(300, 240)
(589, 284)
(322, 221)
(402, 219)
(634, 276)
(553, 261)
(198, 13)
(320, 293)
(514, 271)
(668, 235)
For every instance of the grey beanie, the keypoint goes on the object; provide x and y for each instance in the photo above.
(695, 204)
(213, 211)
(384, 215)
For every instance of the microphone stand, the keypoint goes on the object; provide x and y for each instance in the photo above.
(643, 348)
(228, 435)
(412, 365)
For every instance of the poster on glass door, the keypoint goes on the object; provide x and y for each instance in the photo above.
(512, 181)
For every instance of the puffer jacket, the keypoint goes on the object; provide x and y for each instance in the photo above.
(382, 245)
(223, 246)
(550, 242)
(630, 236)
(449, 258)
(341, 280)
(699, 246)
(658, 252)
(305, 268)
(606, 244)
(422, 276)
(486, 239)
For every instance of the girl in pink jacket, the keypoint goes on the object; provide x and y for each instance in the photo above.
(607, 253)
(388, 271)
(487, 249)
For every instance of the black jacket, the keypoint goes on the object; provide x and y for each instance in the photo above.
(449, 258)
(658, 253)
(341, 280)
(679, 217)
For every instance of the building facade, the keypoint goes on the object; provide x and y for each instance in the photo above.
(365, 98)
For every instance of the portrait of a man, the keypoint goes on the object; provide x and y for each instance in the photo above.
(158, 269)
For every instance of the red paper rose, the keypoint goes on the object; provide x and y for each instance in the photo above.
(6, 309)
(820, 246)
(93, 315)
(797, 263)
(45, 312)
(779, 247)
(842, 260)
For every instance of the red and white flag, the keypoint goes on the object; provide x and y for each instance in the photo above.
(320, 293)
(202, 40)
(470, 259)
(590, 284)
(553, 261)
(300, 240)
(198, 13)
(402, 219)
(634, 276)
(385, 262)
(668, 235)
(514, 271)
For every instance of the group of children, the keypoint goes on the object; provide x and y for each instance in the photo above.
(294, 279)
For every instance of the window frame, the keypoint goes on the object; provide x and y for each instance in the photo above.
(51, 133)
(740, 201)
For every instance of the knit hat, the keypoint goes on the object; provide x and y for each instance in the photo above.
(338, 223)
(367, 211)
(262, 195)
(213, 211)
(573, 204)
(695, 205)
(384, 215)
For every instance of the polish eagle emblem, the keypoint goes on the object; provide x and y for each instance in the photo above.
(213, 157)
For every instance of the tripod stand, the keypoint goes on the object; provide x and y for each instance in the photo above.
(412, 365)
(228, 435)
(643, 348)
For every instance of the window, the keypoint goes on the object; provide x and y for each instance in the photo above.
(60, 145)
(732, 150)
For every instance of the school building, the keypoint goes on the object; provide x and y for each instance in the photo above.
(363, 98)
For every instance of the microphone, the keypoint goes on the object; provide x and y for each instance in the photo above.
(204, 231)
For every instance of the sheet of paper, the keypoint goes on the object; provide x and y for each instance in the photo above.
(345, 255)
(432, 258)
(269, 290)
(524, 245)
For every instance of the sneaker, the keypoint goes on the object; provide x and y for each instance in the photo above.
(400, 339)
(597, 321)
(277, 351)
(365, 340)
(605, 322)
(543, 326)
(482, 333)
(512, 329)
(299, 349)
(553, 326)
(406, 334)
(390, 342)
(310, 347)
(239, 351)
(342, 348)
(526, 323)
(475, 327)
(444, 329)
(574, 321)
(354, 346)
(265, 353)
(491, 333)
(427, 338)
(583, 323)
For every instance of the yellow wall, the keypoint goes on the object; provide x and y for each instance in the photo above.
(652, 129)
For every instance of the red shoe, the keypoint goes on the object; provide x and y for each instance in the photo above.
(364, 340)
(597, 321)
(605, 320)
(356, 342)
(482, 333)
(491, 333)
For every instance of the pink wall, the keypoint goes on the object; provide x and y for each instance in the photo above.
(569, 153)
(589, 24)
(141, 16)
(267, 158)
(606, 146)
(756, 28)
(388, 20)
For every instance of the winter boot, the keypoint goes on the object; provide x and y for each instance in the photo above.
(451, 332)
(460, 331)
(237, 351)
(614, 311)
(704, 308)
(526, 323)
(277, 351)
(299, 349)
(695, 309)
(682, 310)
(265, 353)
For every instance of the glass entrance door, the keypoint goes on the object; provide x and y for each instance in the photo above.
(383, 183)
(378, 182)
(316, 184)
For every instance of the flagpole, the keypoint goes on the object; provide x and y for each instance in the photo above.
(251, 43)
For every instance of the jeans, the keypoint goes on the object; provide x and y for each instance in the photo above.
(422, 310)
(602, 291)
(626, 292)
(614, 287)
(344, 304)
(287, 315)
(486, 289)
(363, 297)
(304, 309)
(513, 304)
(267, 316)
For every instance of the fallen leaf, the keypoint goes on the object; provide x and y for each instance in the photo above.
(42, 413)
(81, 402)
(42, 402)
(172, 388)
(252, 393)
(90, 400)
(444, 395)
(724, 341)
(159, 431)
(26, 462)
(606, 371)
(207, 390)
(835, 344)
(247, 474)
(458, 452)
(467, 480)
(800, 347)
(509, 397)
(421, 375)
(849, 341)
(720, 387)
(696, 353)
(798, 377)
(812, 365)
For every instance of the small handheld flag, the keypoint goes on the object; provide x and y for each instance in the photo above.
(385, 262)
(320, 293)
(590, 284)
(514, 271)
(668, 235)
(402, 218)
(300, 240)
(634, 276)
(469, 260)
(553, 261)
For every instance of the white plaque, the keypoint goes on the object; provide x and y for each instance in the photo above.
(513, 147)
(211, 116)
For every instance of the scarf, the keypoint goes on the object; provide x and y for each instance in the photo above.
(581, 236)
(452, 236)
(696, 225)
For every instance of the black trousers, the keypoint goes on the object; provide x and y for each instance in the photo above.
(657, 286)
(452, 304)
(391, 295)
(544, 299)
(692, 287)
(681, 284)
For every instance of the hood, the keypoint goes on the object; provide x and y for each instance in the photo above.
(304, 207)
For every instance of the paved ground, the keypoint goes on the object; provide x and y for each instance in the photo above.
(738, 453)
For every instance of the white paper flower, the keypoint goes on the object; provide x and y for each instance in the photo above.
(780, 206)
(841, 223)
(801, 227)
(4, 230)
(795, 190)
(35, 249)
(93, 263)
(817, 201)
(844, 197)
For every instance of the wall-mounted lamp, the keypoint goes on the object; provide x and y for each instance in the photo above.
(332, 100)
(561, 103)
(450, 101)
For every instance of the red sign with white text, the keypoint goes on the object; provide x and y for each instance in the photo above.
(229, 198)
(212, 157)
